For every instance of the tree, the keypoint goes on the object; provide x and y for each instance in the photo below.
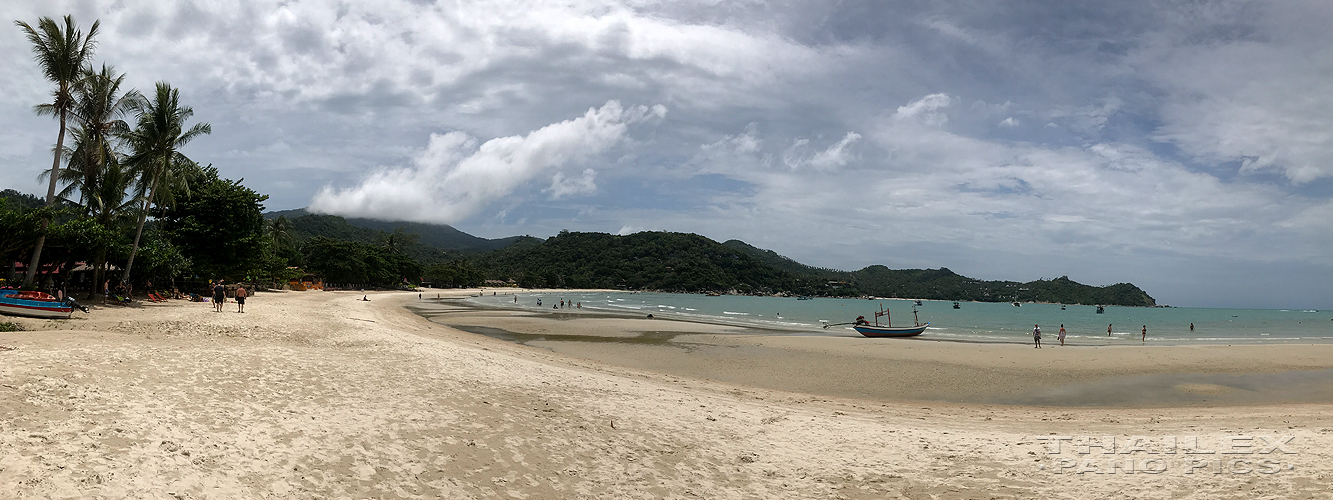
(278, 231)
(219, 226)
(19, 229)
(156, 140)
(62, 54)
(99, 108)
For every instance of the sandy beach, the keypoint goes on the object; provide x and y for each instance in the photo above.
(322, 395)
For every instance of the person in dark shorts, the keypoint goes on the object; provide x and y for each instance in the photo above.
(240, 298)
(219, 296)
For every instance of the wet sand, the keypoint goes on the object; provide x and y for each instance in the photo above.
(321, 395)
(918, 369)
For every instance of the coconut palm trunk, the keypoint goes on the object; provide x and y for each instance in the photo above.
(143, 217)
(157, 140)
(50, 200)
(61, 53)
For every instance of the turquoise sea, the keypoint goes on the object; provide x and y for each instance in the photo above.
(972, 322)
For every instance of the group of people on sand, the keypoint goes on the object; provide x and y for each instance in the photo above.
(1036, 334)
(220, 296)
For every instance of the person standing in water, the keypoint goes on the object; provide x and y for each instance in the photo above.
(1145, 334)
(1061, 336)
(1036, 336)
(1108, 330)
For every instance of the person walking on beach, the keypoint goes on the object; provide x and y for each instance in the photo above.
(219, 296)
(1145, 334)
(1036, 336)
(240, 298)
(1061, 336)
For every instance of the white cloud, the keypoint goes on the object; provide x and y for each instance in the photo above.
(834, 157)
(925, 110)
(454, 178)
(838, 141)
(562, 187)
(1262, 101)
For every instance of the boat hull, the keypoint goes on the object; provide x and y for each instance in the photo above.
(12, 305)
(885, 331)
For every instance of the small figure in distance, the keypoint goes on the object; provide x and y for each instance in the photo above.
(1036, 336)
(365, 298)
(1191, 327)
(1145, 334)
(241, 294)
(1061, 336)
(1108, 330)
(219, 296)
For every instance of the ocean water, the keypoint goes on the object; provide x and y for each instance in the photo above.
(972, 322)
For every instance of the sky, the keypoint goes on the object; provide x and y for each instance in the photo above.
(1183, 146)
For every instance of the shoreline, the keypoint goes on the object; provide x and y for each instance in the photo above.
(321, 395)
(918, 369)
(994, 323)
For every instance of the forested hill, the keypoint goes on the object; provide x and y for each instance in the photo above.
(305, 224)
(674, 262)
(678, 262)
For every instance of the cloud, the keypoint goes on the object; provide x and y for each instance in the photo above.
(1248, 90)
(562, 187)
(828, 131)
(925, 110)
(837, 155)
(454, 178)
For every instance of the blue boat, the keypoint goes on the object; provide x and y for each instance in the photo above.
(35, 304)
(888, 331)
(866, 329)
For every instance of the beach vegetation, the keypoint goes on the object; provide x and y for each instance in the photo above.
(61, 53)
(156, 140)
(353, 263)
(218, 226)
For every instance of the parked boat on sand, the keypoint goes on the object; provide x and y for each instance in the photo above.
(36, 305)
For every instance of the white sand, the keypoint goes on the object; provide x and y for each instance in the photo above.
(319, 395)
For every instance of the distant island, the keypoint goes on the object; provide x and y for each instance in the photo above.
(672, 262)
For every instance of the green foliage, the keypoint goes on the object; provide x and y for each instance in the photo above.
(677, 262)
(160, 260)
(68, 238)
(6, 326)
(21, 201)
(219, 227)
(438, 236)
(642, 261)
(452, 274)
(19, 230)
(355, 263)
(79, 240)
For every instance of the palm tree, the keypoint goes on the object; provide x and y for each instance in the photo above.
(99, 107)
(156, 141)
(279, 233)
(61, 53)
